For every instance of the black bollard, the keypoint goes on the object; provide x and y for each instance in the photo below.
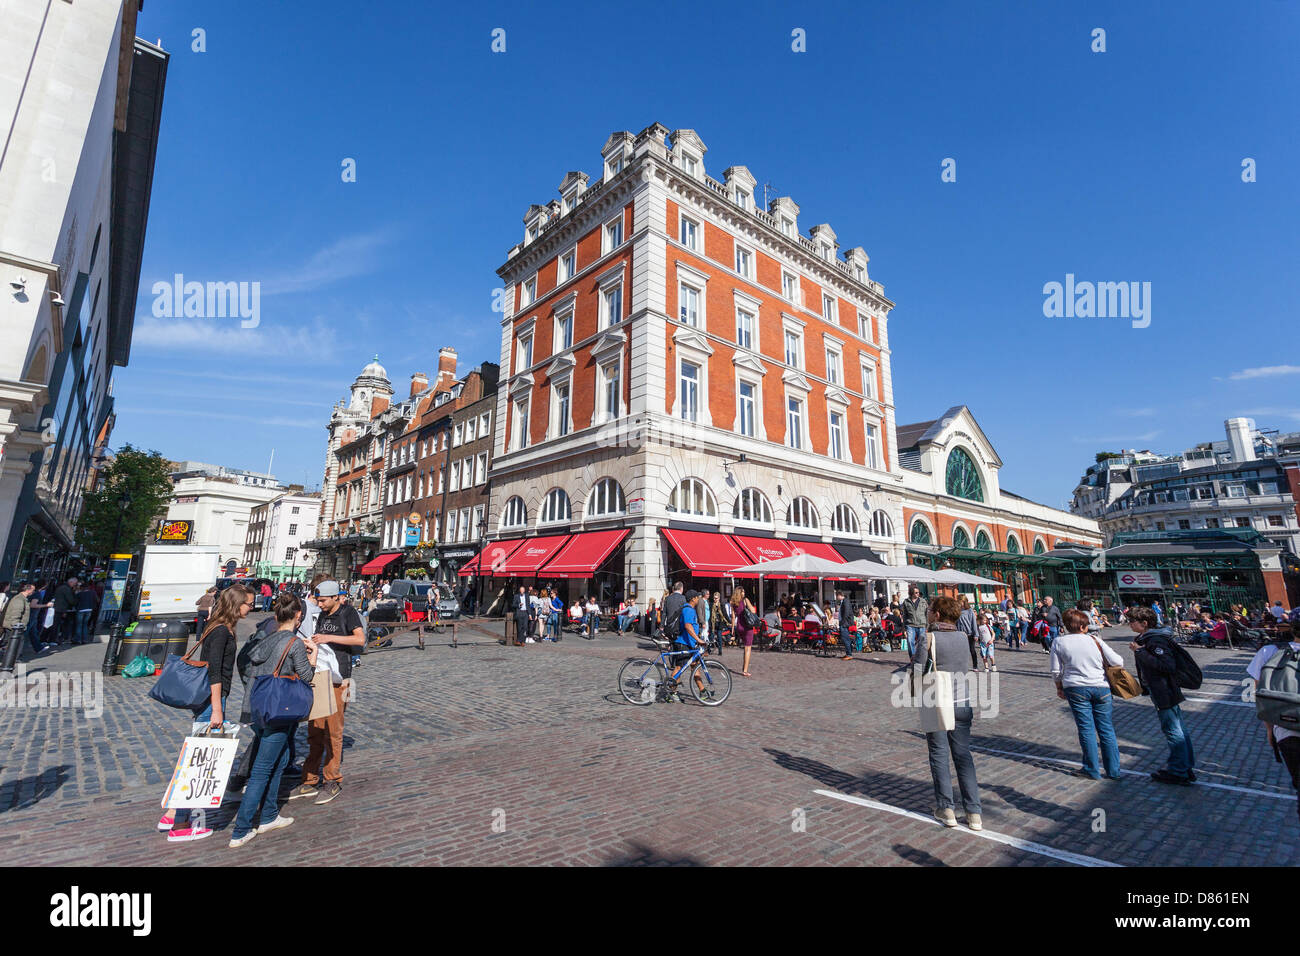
(113, 648)
(15, 645)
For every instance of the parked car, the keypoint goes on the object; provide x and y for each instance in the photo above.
(388, 609)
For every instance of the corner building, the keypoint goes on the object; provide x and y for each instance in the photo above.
(689, 383)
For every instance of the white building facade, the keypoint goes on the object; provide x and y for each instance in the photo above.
(218, 510)
(84, 97)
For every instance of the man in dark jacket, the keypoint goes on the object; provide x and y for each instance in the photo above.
(968, 624)
(1156, 665)
(1051, 615)
(65, 610)
(916, 618)
(671, 613)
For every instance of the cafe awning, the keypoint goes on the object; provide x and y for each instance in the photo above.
(375, 565)
(584, 553)
(493, 554)
(525, 560)
(706, 552)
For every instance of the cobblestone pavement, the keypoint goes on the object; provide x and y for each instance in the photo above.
(488, 754)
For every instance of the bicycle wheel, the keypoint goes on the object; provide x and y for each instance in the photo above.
(717, 683)
(639, 681)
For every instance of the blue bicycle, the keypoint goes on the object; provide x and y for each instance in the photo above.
(645, 681)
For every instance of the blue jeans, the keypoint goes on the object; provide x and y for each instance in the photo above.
(1051, 636)
(593, 623)
(912, 635)
(264, 781)
(954, 744)
(1092, 708)
(1182, 759)
(622, 622)
(82, 633)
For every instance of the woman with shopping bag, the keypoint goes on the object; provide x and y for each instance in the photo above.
(217, 650)
(282, 656)
(941, 679)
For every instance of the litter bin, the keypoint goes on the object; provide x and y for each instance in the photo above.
(154, 638)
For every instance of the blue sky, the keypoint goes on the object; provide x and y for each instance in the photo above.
(1117, 166)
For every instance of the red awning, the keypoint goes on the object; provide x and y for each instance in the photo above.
(494, 554)
(530, 555)
(705, 551)
(584, 554)
(375, 565)
(819, 549)
(773, 549)
(759, 550)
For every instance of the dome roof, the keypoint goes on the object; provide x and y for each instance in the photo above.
(374, 370)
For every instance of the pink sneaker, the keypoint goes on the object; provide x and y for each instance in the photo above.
(188, 834)
(165, 823)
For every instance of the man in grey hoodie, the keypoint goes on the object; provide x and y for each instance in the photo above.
(285, 653)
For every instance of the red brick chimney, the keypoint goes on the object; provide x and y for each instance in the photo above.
(419, 382)
(446, 369)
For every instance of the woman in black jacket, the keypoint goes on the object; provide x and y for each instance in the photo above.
(217, 649)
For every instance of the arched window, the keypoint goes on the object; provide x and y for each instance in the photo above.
(752, 505)
(606, 498)
(692, 497)
(1013, 544)
(1039, 546)
(556, 507)
(962, 478)
(982, 542)
(802, 514)
(844, 520)
(920, 533)
(881, 526)
(960, 538)
(515, 514)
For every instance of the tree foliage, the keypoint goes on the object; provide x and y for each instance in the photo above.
(1106, 455)
(144, 477)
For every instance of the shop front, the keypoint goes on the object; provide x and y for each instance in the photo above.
(573, 565)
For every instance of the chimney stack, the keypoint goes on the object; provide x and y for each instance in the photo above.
(419, 382)
(446, 368)
(1241, 438)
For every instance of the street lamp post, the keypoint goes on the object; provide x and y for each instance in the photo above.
(124, 502)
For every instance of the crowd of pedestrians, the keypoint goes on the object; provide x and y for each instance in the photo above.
(313, 632)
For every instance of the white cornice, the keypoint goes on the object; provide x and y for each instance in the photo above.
(692, 341)
(795, 380)
(522, 383)
(611, 341)
(750, 363)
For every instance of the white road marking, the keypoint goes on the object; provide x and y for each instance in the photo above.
(1064, 855)
(1135, 773)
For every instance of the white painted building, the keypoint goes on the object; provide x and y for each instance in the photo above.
(218, 510)
(276, 534)
(81, 100)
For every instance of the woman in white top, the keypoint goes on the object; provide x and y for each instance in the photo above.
(1078, 666)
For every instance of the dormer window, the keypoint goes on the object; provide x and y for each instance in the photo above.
(532, 232)
(787, 227)
(613, 166)
(690, 164)
(827, 252)
(742, 198)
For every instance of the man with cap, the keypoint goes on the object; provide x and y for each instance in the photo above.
(687, 638)
(338, 625)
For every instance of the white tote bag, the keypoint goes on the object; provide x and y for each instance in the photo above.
(935, 699)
